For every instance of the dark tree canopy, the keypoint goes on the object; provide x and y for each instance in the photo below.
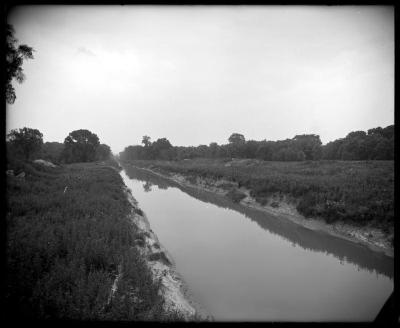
(309, 144)
(236, 144)
(377, 144)
(51, 151)
(80, 146)
(15, 55)
(103, 152)
(25, 142)
(163, 149)
(146, 141)
(236, 138)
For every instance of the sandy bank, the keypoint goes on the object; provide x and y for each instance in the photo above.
(285, 208)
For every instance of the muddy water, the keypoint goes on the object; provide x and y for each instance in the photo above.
(245, 265)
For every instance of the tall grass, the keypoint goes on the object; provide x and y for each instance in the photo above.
(356, 192)
(67, 235)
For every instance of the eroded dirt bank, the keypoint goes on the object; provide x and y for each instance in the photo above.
(283, 207)
(174, 289)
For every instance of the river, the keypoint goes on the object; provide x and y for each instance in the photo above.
(242, 264)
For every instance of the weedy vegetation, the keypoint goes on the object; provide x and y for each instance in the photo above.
(357, 192)
(68, 241)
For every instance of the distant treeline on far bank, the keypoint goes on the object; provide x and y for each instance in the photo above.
(375, 144)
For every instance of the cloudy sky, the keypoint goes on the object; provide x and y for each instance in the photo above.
(196, 74)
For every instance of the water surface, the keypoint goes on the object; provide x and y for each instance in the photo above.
(244, 264)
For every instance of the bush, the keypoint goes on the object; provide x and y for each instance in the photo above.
(275, 204)
(235, 195)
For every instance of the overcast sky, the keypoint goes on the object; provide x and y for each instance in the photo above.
(196, 74)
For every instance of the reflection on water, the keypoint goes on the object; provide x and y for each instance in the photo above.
(147, 186)
(237, 298)
(340, 248)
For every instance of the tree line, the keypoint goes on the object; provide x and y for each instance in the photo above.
(79, 146)
(375, 144)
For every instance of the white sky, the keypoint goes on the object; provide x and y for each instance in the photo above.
(196, 74)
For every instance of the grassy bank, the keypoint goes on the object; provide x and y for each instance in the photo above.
(360, 193)
(69, 241)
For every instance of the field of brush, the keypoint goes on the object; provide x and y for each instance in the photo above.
(68, 237)
(357, 192)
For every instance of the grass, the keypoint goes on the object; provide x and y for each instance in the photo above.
(356, 192)
(64, 247)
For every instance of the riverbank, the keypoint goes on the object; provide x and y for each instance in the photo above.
(280, 206)
(175, 291)
(72, 248)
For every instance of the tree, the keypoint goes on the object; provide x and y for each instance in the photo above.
(237, 138)
(332, 150)
(378, 143)
(132, 153)
(103, 152)
(264, 150)
(384, 150)
(355, 146)
(309, 144)
(236, 144)
(202, 151)
(80, 146)
(146, 141)
(388, 132)
(375, 131)
(25, 142)
(51, 151)
(250, 149)
(162, 149)
(213, 148)
(15, 55)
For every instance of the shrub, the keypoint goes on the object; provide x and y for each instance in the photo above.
(235, 195)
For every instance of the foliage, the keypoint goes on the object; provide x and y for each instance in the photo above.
(160, 149)
(309, 145)
(15, 55)
(360, 193)
(103, 152)
(52, 151)
(236, 144)
(80, 146)
(146, 141)
(377, 144)
(68, 237)
(24, 142)
(235, 195)
(236, 138)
